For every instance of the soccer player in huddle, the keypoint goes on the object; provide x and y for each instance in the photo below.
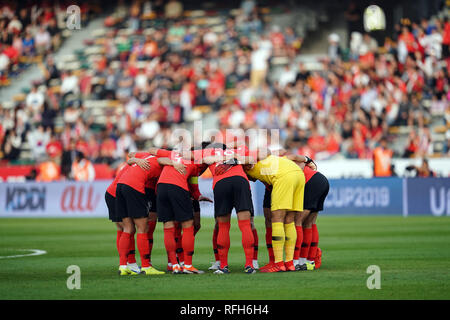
(174, 204)
(287, 181)
(178, 228)
(307, 254)
(110, 199)
(132, 206)
(231, 190)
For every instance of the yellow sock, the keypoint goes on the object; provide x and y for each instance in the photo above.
(291, 238)
(278, 237)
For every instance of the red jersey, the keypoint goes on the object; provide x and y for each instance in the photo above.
(170, 175)
(234, 170)
(138, 178)
(113, 186)
(308, 173)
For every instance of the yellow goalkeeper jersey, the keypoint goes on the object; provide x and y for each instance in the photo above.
(272, 168)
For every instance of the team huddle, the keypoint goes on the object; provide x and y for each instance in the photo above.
(162, 185)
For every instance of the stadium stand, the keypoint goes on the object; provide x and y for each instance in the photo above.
(157, 66)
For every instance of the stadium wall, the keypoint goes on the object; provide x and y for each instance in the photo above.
(379, 196)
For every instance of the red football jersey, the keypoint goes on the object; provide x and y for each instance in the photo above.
(138, 178)
(170, 175)
(233, 171)
(113, 186)
(308, 173)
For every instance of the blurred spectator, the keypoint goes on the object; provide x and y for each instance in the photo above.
(35, 100)
(334, 50)
(42, 40)
(48, 171)
(259, 65)
(422, 171)
(11, 145)
(382, 157)
(38, 140)
(82, 169)
(68, 158)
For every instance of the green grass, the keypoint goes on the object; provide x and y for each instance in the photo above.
(413, 254)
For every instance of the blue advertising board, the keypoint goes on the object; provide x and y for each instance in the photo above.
(376, 196)
(365, 196)
(427, 196)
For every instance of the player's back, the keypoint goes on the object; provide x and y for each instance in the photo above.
(113, 186)
(171, 176)
(138, 178)
(271, 168)
(233, 171)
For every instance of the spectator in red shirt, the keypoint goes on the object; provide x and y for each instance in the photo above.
(408, 38)
(54, 148)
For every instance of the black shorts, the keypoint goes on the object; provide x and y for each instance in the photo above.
(173, 203)
(111, 204)
(196, 205)
(130, 203)
(267, 203)
(316, 190)
(232, 192)
(151, 198)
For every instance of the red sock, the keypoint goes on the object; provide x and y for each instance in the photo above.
(248, 241)
(307, 235)
(298, 243)
(144, 250)
(188, 241)
(269, 244)
(124, 248)
(314, 243)
(223, 243)
(256, 244)
(214, 240)
(171, 245)
(178, 237)
(119, 234)
(132, 252)
(151, 230)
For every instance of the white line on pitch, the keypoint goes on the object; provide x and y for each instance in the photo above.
(35, 252)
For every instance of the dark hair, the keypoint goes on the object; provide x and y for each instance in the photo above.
(216, 145)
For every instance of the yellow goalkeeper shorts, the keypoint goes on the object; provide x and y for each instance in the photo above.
(288, 191)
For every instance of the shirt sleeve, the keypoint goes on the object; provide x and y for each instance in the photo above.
(141, 155)
(163, 153)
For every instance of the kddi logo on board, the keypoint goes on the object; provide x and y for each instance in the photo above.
(79, 198)
(25, 198)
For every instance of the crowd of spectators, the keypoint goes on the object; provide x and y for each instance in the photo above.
(158, 77)
(29, 31)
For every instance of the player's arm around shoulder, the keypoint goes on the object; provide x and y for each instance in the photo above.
(178, 165)
(142, 163)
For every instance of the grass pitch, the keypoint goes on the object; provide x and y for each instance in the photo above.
(412, 253)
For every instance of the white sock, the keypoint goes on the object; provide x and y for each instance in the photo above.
(188, 265)
(122, 266)
(296, 262)
(302, 260)
(309, 261)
